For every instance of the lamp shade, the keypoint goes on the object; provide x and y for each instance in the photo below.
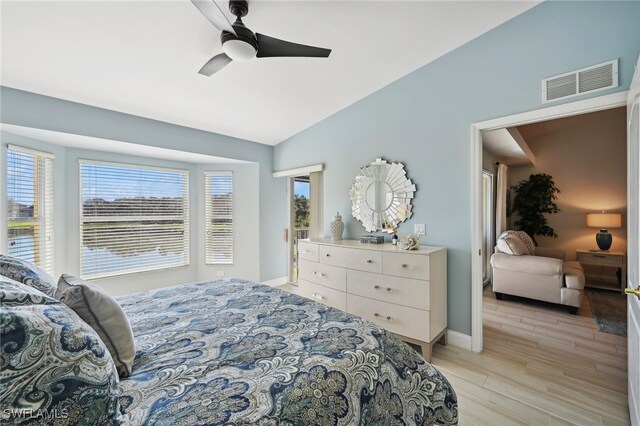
(604, 220)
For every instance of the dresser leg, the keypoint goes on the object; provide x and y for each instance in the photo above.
(443, 339)
(426, 351)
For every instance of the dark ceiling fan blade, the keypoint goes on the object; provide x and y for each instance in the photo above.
(214, 14)
(271, 47)
(215, 64)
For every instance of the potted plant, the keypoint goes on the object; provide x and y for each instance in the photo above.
(534, 198)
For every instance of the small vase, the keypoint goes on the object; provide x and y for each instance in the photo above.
(394, 239)
(336, 227)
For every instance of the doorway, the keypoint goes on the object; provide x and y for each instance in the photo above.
(478, 242)
(304, 198)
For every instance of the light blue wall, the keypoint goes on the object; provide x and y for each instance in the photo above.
(423, 120)
(43, 112)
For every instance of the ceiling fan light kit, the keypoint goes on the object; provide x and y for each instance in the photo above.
(240, 44)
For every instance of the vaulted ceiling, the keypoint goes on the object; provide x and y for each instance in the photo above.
(142, 57)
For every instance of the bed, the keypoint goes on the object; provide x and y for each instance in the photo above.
(236, 352)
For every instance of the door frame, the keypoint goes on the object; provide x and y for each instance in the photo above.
(599, 103)
(491, 232)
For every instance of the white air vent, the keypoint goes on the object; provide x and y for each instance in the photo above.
(574, 83)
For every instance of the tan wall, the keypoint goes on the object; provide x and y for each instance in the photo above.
(588, 164)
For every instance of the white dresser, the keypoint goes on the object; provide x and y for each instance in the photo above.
(404, 292)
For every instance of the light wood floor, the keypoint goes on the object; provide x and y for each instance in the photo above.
(540, 366)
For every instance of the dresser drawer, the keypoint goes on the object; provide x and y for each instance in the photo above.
(362, 260)
(601, 259)
(406, 265)
(405, 321)
(308, 251)
(327, 275)
(328, 296)
(401, 291)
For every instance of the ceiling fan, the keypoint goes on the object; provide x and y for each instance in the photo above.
(240, 44)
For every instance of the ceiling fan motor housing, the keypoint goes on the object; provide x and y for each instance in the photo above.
(241, 47)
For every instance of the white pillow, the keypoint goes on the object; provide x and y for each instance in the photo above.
(512, 244)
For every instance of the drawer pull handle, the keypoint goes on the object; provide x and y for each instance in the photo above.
(327, 255)
(389, 289)
(369, 261)
(317, 296)
(376, 287)
(377, 315)
(321, 274)
(599, 255)
(404, 265)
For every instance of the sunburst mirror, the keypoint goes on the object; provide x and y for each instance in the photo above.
(381, 196)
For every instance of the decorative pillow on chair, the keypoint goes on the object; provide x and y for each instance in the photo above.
(52, 363)
(27, 273)
(511, 244)
(104, 315)
(524, 237)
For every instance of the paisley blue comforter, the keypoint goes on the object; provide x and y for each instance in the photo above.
(240, 353)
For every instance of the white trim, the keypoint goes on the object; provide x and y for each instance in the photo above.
(31, 151)
(543, 114)
(276, 282)
(300, 171)
(459, 340)
(117, 164)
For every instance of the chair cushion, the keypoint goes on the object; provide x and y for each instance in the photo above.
(573, 275)
(104, 315)
(512, 244)
(52, 362)
(27, 273)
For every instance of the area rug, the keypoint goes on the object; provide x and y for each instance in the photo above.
(609, 310)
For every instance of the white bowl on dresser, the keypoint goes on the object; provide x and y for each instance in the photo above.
(404, 292)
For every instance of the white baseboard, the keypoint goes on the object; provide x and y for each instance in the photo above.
(276, 282)
(459, 340)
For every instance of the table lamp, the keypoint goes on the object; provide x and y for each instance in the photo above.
(603, 221)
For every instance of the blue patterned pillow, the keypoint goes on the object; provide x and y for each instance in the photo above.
(27, 273)
(53, 367)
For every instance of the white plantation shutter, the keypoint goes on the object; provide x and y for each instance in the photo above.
(219, 218)
(133, 219)
(30, 206)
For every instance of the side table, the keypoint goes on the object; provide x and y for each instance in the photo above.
(614, 259)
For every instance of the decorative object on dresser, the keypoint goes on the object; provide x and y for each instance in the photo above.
(336, 227)
(409, 242)
(612, 259)
(381, 196)
(372, 239)
(603, 221)
(404, 292)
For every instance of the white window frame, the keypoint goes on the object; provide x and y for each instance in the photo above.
(46, 200)
(185, 217)
(207, 217)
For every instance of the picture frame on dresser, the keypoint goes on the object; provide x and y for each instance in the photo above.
(404, 292)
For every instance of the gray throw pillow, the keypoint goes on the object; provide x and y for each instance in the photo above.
(103, 313)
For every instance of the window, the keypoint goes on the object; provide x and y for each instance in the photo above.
(219, 218)
(30, 206)
(133, 219)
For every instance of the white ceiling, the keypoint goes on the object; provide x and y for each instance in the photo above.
(142, 57)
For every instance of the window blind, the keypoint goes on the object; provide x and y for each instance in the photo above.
(133, 219)
(219, 218)
(30, 206)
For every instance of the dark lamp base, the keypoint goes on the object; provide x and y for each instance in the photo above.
(604, 239)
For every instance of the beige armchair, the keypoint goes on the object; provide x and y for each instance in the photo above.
(545, 275)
